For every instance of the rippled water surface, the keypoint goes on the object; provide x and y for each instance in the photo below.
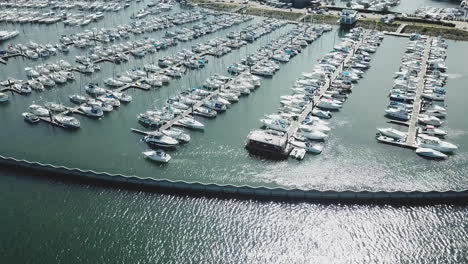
(44, 221)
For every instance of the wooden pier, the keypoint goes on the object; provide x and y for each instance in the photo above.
(412, 130)
(295, 124)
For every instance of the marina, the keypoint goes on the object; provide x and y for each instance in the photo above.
(140, 120)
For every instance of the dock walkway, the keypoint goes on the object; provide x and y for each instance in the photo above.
(295, 124)
(412, 130)
(401, 28)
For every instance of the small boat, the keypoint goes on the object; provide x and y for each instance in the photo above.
(177, 134)
(190, 123)
(429, 120)
(205, 112)
(4, 97)
(156, 138)
(432, 131)
(314, 148)
(79, 99)
(67, 121)
(39, 110)
(55, 107)
(31, 118)
(430, 153)
(297, 153)
(314, 135)
(435, 143)
(321, 114)
(92, 110)
(391, 132)
(124, 98)
(157, 155)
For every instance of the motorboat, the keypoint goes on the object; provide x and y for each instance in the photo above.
(157, 138)
(433, 96)
(432, 131)
(397, 113)
(109, 100)
(39, 110)
(276, 124)
(93, 89)
(92, 110)
(157, 155)
(297, 153)
(79, 99)
(149, 119)
(67, 121)
(35, 85)
(55, 107)
(4, 97)
(31, 118)
(429, 120)
(328, 105)
(205, 112)
(435, 143)
(313, 148)
(218, 107)
(430, 153)
(316, 126)
(177, 134)
(321, 114)
(314, 135)
(124, 98)
(190, 123)
(391, 132)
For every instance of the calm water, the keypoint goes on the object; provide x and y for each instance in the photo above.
(70, 223)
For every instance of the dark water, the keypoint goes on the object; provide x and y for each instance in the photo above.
(53, 222)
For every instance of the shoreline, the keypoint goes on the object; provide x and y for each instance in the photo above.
(421, 27)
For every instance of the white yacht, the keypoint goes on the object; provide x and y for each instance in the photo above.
(156, 138)
(314, 135)
(4, 97)
(430, 153)
(31, 118)
(94, 89)
(79, 99)
(321, 114)
(397, 113)
(67, 121)
(435, 143)
(432, 131)
(158, 155)
(429, 120)
(276, 124)
(113, 82)
(35, 85)
(317, 126)
(124, 98)
(391, 132)
(177, 134)
(39, 110)
(190, 123)
(92, 110)
(205, 112)
(55, 107)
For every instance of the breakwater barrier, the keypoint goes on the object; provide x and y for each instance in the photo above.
(240, 192)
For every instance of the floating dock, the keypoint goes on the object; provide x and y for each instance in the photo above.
(412, 130)
(295, 124)
(412, 134)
